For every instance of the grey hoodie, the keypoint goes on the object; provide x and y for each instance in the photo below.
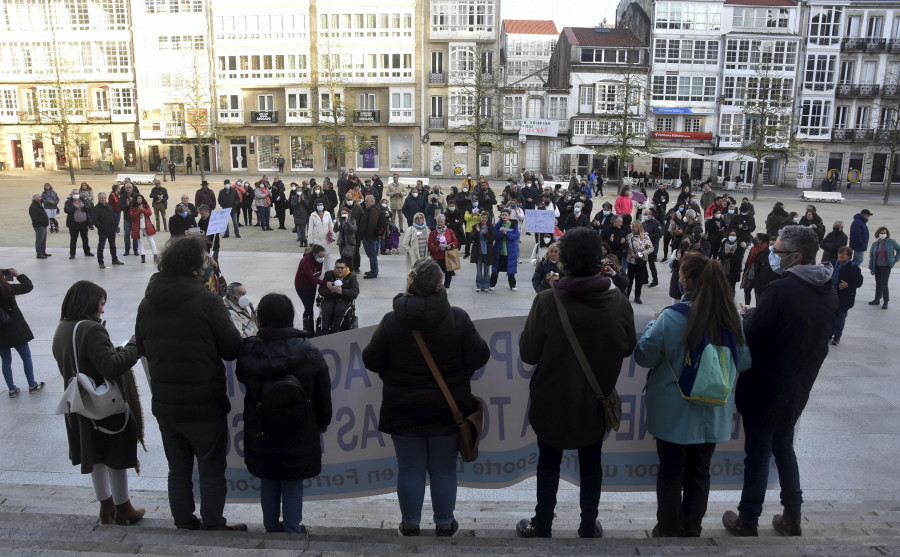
(813, 274)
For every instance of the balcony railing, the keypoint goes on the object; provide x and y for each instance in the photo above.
(860, 135)
(815, 86)
(864, 44)
(437, 122)
(437, 78)
(892, 90)
(174, 129)
(367, 116)
(894, 45)
(857, 90)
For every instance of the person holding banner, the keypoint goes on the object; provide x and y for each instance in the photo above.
(566, 411)
(686, 432)
(284, 453)
(414, 411)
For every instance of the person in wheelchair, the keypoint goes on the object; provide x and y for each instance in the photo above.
(337, 299)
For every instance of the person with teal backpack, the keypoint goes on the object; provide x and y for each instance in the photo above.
(694, 351)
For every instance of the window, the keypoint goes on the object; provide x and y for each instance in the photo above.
(230, 107)
(840, 116)
(760, 18)
(116, 56)
(437, 107)
(608, 98)
(101, 100)
(814, 117)
(437, 62)
(330, 105)
(267, 151)
(825, 25)
(366, 101)
(731, 128)
(862, 117)
(9, 104)
(462, 62)
(745, 54)
(693, 125)
(664, 124)
(684, 88)
(462, 107)
(678, 51)
(741, 90)
(122, 101)
(820, 72)
(558, 107)
(297, 102)
(514, 109)
(402, 105)
(260, 66)
(367, 153)
(695, 16)
(586, 99)
(455, 16)
(487, 61)
(266, 102)
(401, 148)
(848, 71)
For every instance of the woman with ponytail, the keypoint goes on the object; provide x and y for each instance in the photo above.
(687, 432)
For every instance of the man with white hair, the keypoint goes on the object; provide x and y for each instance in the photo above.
(39, 221)
(833, 241)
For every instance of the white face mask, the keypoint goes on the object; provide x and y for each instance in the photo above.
(244, 302)
(882, 236)
(75, 196)
(732, 238)
(415, 194)
(577, 210)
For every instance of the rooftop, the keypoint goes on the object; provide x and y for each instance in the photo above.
(592, 36)
(784, 3)
(530, 27)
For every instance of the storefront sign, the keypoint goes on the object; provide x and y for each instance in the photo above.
(675, 110)
(688, 136)
(264, 116)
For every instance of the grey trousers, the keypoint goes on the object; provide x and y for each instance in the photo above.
(40, 239)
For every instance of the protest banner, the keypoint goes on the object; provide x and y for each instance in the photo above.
(359, 460)
(218, 221)
(541, 221)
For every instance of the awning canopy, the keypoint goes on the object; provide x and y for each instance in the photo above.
(732, 156)
(576, 150)
(681, 154)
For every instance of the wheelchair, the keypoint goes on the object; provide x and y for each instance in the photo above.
(348, 320)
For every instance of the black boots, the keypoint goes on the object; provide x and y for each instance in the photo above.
(309, 325)
(737, 526)
(143, 259)
(787, 524)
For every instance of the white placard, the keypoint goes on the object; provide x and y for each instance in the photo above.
(218, 221)
(542, 221)
(537, 126)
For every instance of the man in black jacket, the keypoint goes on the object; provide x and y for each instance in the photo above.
(336, 298)
(229, 198)
(787, 353)
(105, 220)
(181, 221)
(368, 231)
(654, 230)
(159, 197)
(847, 278)
(833, 241)
(185, 332)
(126, 194)
(39, 221)
(660, 200)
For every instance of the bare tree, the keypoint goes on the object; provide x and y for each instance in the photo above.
(198, 131)
(622, 123)
(889, 127)
(769, 117)
(474, 99)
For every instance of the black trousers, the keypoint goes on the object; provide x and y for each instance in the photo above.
(637, 277)
(682, 487)
(279, 214)
(332, 312)
(111, 238)
(882, 278)
(589, 468)
(79, 228)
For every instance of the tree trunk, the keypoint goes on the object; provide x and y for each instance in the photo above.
(887, 182)
(201, 155)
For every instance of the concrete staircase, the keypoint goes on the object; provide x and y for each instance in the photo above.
(40, 520)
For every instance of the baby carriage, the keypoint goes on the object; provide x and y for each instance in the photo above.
(392, 242)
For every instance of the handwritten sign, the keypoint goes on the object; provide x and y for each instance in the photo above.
(541, 221)
(218, 221)
(537, 126)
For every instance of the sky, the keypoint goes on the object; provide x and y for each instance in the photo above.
(565, 13)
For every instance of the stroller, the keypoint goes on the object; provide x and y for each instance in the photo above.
(392, 241)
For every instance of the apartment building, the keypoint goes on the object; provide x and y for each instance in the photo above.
(526, 47)
(172, 46)
(66, 61)
(605, 74)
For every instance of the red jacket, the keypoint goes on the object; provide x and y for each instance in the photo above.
(136, 213)
(309, 273)
(434, 245)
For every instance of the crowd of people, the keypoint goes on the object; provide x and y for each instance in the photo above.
(584, 273)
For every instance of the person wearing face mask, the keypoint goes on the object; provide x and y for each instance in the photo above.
(189, 396)
(468, 182)
(181, 221)
(640, 249)
(486, 200)
(772, 394)
(506, 250)
(847, 278)
(686, 433)
(105, 219)
(415, 241)
(336, 298)
(248, 203)
(655, 231)
(530, 195)
(159, 200)
(346, 228)
(547, 270)
(715, 230)
(307, 279)
(602, 218)
(883, 255)
(415, 203)
(756, 276)
(229, 198)
(396, 192)
(776, 220)
(78, 220)
(456, 222)
(731, 254)
(859, 235)
(624, 205)
(241, 310)
(321, 225)
(698, 242)
(833, 241)
(440, 240)
(578, 218)
(814, 222)
(729, 214)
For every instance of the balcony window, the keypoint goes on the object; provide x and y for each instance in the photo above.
(230, 107)
(815, 117)
(402, 105)
(297, 102)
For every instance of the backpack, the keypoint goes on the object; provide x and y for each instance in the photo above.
(283, 405)
(709, 370)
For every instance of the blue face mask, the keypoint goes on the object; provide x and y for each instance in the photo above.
(606, 213)
(184, 214)
(730, 211)
(320, 260)
(419, 226)
(775, 263)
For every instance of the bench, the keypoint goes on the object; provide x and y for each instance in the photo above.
(744, 187)
(822, 196)
(136, 178)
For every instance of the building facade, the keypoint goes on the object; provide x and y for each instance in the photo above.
(67, 66)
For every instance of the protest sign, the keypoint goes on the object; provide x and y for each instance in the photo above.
(542, 221)
(218, 221)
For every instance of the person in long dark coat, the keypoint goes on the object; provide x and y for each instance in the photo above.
(15, 334)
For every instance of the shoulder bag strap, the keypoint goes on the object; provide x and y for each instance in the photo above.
(457, 415)
(75, 347)
(576, 347)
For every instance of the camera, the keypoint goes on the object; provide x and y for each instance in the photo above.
(7, 274)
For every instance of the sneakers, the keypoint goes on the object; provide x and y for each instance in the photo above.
(38, 387)
(14, 392)
(405, 530)
(835, 341)
(737, 526)
(448, 530)
(491, 289)
(513, 288)
(653, 284)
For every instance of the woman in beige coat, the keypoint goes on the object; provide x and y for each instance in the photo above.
(415, 241)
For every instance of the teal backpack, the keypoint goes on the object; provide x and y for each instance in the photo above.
(710, 370)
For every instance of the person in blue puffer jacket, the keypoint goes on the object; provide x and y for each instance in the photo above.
(686, 432)
(506, 249)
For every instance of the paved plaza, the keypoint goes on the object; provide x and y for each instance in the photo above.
(849, 438)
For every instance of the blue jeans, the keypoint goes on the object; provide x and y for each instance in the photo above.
(118, 220)
(839, 320)
(235, 218)
(371, 247)
(858, 256)
(760, 443)
(275, 496)
(134, 243)
(436, 456)
(483, 272)
(262, 216)
(6, 357)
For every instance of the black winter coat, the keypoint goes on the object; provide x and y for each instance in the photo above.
(475, 243)
(412, 403)
(105, 219)
(70, 210)
(39, 218)
(16, 332)
(744, 225)
(831, 243)
(852, 275)
(541, 270)
(187, 380)
(285, 455)
(788, 338)
(178, 225)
